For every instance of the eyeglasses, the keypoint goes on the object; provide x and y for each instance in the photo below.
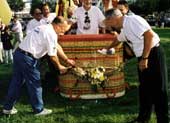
(86, 22)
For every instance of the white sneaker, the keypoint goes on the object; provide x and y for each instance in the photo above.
(44, 112)
(12, 111)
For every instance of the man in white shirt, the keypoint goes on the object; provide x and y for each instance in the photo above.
(88, 18)
(36, 21)
(47, 16)
(124, 7)
(40, 41)
(152, 68)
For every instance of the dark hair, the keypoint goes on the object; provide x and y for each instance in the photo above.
(123, 2)
(15, 17)
(112, 12)
(45, 4)
(58, 20)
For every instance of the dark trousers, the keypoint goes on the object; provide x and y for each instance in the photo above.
(153, 87)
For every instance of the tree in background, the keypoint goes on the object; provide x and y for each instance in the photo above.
(164, 5)
(38, 4)
(35, 4)
(16, 5)
(149, 6)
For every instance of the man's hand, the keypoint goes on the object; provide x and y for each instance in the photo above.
(143, 64)
(70, 62)
(62, 69)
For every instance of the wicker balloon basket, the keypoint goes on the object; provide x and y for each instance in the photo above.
(83, 49)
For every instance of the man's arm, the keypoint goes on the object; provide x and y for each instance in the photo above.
(148, 37)
(115, 41)
(63, 56)
(57, 64)
(148, 42)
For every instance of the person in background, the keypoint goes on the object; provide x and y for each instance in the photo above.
(105, 5)
(114, 3)
(2, 26)
(77, 3)
(124, 7)
(47, 16)
(42, 40)
(152, 69)
(127, 51)
(88, 18)
(66, 7)
(6, 38)
(36, 21)
(17, 29)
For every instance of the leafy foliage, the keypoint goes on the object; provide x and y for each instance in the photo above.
(16, 5)
(149, 6)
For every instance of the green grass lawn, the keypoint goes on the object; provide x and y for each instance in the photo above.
(118, 110)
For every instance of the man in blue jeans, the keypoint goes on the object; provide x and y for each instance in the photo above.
(40, 41)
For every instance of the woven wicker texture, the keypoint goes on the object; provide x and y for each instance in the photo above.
(83, 49)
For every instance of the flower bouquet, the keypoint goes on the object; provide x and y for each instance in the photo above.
(97, 76)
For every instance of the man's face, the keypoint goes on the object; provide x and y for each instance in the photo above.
(87, 2)
(45, 10)
(123, 9)
(105, 2)
(62, 28)
(114, 3)
(37, 14)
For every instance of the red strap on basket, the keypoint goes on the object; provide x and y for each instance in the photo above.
(111, 96)
(70, 92)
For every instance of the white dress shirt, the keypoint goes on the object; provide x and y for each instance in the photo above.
(96, 18)
(32, 24)
(40, 41)
(133, 29)
(49, 19)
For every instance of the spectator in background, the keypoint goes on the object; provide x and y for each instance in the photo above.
(124, 7)
(6, 38)
(2, 26)
(77, 3)
(17, 29)
(105, 5)
(66, 7)
(47, 16)
(114, 3)
(36, 21)
(127, 51)
(88, 18)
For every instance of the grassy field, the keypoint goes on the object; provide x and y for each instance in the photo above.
(118, 110)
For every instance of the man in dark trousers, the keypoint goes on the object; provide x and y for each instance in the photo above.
(152, 69)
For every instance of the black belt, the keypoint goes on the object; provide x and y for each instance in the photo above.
(156, 46)
(25, 52)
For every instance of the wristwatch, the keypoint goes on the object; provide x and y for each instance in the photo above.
(144, 58)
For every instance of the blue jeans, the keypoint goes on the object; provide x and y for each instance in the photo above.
(25, 70)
